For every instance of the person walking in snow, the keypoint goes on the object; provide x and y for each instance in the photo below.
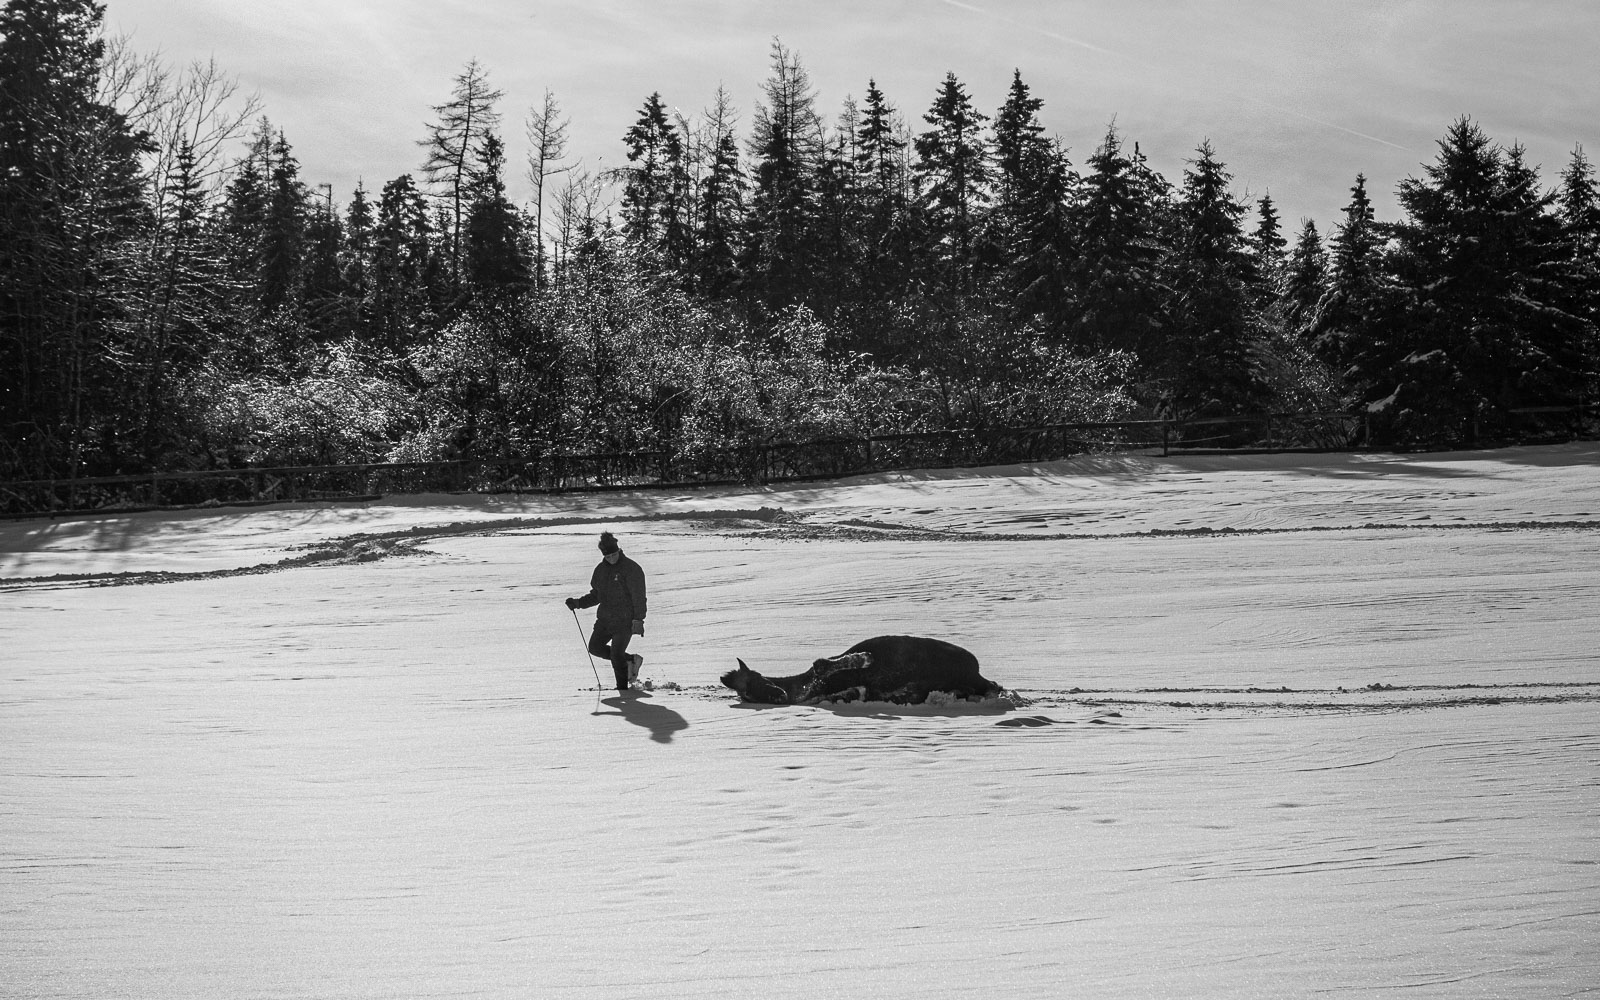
(617, 585)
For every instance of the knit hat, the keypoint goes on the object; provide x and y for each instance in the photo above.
(608, 543)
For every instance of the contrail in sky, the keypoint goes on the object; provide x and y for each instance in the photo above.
(1048, 34)
(1079, 43)
(1318, 121)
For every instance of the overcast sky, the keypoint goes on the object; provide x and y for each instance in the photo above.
(1296, 96)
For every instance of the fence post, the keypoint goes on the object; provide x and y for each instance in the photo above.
(1165, 431)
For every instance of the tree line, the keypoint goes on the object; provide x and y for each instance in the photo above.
(175, 295)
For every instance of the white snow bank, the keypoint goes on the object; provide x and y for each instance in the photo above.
(1107, 494)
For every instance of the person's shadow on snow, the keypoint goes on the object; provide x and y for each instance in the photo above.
(660, 720)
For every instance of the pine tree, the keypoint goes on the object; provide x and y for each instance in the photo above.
(1578, 212)
(329, 310)
(1350, 325)
(1154, 191)
(178, 307)
(1210, 342)
(866, 242)
(494, 266)
(1357, 243)
(653, 186)
(720, 213)
(1019, 144)
(453, 139)
(1578, 203)
(403, 270)
(838, 248)
(283, 234)
(953, 164)
(69, 199)
(879, 150)
(786, 152)
(1488, 288)
(1114, 271)
(355, 258)
(1029, 231)
(1305, 276)
(1267, 244)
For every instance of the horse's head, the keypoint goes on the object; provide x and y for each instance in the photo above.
(751, 686)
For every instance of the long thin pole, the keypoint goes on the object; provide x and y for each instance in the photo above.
(586, 652)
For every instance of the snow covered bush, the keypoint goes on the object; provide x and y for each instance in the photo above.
(344, 410)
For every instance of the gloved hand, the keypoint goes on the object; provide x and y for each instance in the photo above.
(638, 626)
(572, 604)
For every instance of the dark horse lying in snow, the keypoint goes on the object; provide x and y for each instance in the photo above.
(898, 668)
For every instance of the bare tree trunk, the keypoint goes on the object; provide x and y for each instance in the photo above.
(547, 142)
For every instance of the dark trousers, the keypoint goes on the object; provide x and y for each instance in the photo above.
(610, 641)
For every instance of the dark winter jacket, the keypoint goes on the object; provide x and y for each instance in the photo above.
(619, 590)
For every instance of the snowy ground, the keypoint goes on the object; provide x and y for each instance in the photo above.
(1349, 747)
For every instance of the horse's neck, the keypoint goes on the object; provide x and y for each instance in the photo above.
(794, 684)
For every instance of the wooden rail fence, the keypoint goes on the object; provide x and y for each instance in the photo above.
(764, 462)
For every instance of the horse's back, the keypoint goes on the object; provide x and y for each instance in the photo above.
(918, 654)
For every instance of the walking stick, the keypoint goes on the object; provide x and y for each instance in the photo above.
(592, 667)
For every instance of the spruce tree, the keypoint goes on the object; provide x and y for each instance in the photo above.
(1489, 324)
(885, 229)
(1029, 229)
(176, 311)
(1039, 251)
(329, 310)
(494, 265)
(69, 199)
(355, 258)
(402, 267)
(1212, 330)
(1019, 144)
(1578, 214)
(838, 247)
(1267, 243)
(1114, 271)
(1305, 275)
(719, 213)
(654, 185)
(1350, 326)
(879, 150)
(1578, 203)
(284, 230)
(786, 153)
(953, 166)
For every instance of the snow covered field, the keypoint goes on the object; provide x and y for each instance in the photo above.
(1295, 726)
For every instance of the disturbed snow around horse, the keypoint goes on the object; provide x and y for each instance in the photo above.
(904, 669)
